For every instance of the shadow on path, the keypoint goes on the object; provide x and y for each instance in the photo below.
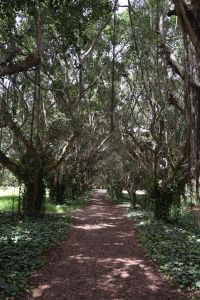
(101, 259)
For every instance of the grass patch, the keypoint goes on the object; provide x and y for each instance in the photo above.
(8, 203)
(174, 246)
(9, 198)
(68, 206)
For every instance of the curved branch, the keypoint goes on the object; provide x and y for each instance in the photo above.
(10, 165)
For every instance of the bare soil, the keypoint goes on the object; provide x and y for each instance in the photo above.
(101, 259)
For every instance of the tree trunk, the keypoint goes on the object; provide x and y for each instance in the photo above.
(132, 194)
(34, 195)
(163, 204)
(60, 193)
(168, 197)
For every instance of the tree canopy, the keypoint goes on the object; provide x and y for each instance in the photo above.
(93, 94)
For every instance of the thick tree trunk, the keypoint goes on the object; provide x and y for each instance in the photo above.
(34, 189)
(163, 204)
(167, 197)
(57, 183)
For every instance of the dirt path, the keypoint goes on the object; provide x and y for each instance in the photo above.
(101, 259)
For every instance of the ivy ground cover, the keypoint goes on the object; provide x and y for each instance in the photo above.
(174, 246)
(23, 245)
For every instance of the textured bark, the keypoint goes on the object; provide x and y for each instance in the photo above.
(34, 194)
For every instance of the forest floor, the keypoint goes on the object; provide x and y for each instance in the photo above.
(101, 259)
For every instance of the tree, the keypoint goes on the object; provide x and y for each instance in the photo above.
(45, 96)
(102, 86)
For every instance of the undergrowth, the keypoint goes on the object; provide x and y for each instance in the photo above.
(68, 206)
(174, 246)
(10, 203)
(22, 248)
(25, 243)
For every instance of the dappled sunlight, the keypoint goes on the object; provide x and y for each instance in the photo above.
(115, 218)
(92, 227)
(123, 235)
(113, 276)
(39, 291)
(100, 260)
(153, 287)
(81, 258)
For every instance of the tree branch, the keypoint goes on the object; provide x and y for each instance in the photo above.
(182, 14)
(33, 59)
(171, 60)
(64, 151)
(16, 128)
(94, 42)
(97, 36)
(10, 165)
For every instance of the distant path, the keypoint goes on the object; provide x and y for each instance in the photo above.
(101, 259)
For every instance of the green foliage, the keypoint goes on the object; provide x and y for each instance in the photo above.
(165, 198)
(114, 176)
(121, 201)
(68, 206)
(174, 246)
(7, 178)
(8, 203)
(115, 189)
(23, 245)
